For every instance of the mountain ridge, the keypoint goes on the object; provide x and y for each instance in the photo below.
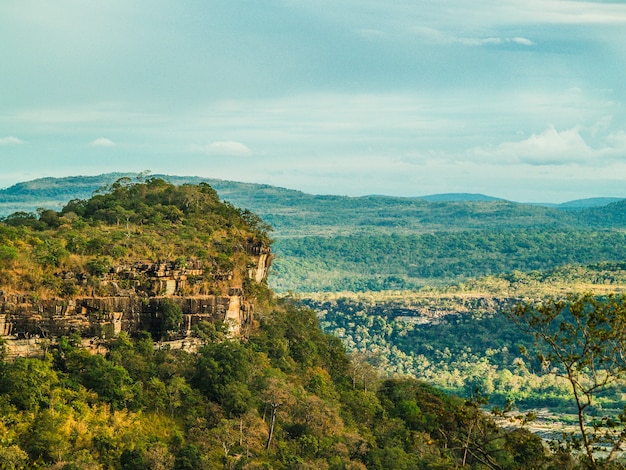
(137, 331)
(330, 242)
(51, 190)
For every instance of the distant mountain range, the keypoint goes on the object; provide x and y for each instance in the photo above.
(471, 197)
(297, 214)
(329, 242)
(53, 193)
(59, 189)
(458, 197)
(589, 202)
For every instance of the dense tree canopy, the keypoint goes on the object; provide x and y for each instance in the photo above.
(583, 339)
(288, 396)
(68, 253)
(285, 398)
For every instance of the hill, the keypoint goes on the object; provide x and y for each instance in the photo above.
(376, 242)
(112, 262)
(458, 197)
(148, 262)
(294, 213)
(589, 202)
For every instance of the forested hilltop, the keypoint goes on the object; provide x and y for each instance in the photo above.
(280, 394)
(336, 243)
(294, 213)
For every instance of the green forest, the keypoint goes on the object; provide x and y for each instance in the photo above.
(284, 395)
(289, 397)
(377, 243)
(394, 262)
(450, 333)
(458, 352)
(407, 320)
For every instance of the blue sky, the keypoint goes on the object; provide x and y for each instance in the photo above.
(521, 99)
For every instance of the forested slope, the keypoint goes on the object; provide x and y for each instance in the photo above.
(284, 395)
(287, 398)
(334, 243)
(392, 262)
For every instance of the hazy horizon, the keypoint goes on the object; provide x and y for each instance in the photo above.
(514, 99)
(148, 174)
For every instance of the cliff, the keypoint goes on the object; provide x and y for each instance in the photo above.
(27, 322)
(93, 279)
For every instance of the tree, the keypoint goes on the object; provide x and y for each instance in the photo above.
(12, 457)
(227, 433)
(8, 254)
(28, 383)
(583, 339)
(222, 374)
(362, 372)
(188, 458)
(171, 316)
(276, 396)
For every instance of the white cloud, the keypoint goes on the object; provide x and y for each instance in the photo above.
(102, 142)
(553, 147)
(91, 113)
(617, 140)
(10, 140)
(372, 33)
(224, 148)
(439, 21)
(495, 41)
(511, 12)
(522, 41)
(578, 12)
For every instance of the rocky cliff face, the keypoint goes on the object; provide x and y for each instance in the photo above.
(139, 293)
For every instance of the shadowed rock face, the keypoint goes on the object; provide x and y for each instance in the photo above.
(26, 322)
(106, 316)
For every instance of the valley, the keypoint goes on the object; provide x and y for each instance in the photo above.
(413, 287)
(374, 243)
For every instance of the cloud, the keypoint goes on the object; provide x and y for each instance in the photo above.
(495, 41)
(553, 147)
(372, 33)
(66, 115)
(617, 140)
(550, 147)
(102, 142)
(578, 12)
(224, 148)
(10, 140)
(522, 41)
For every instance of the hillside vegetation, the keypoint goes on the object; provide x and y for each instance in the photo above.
(287, 396)
(336, 243)
(68, 253)
(294, 213)
(461, 338)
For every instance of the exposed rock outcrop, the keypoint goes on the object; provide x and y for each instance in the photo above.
(139, 292)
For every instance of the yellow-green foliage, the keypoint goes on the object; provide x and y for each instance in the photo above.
(283, 399)
(129, 222)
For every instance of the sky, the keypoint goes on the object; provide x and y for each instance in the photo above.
(519, 99)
